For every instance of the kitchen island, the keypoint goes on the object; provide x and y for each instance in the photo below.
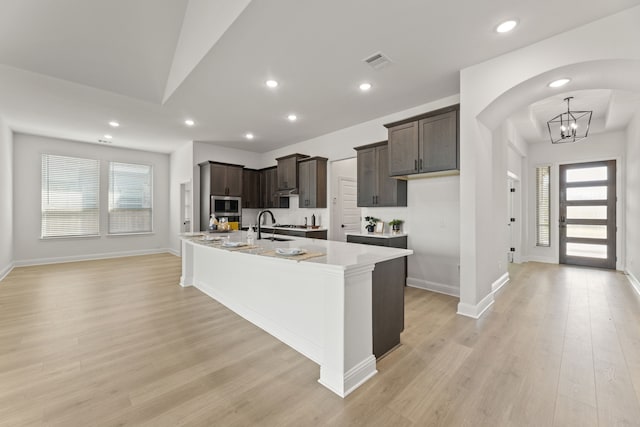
(320, 306)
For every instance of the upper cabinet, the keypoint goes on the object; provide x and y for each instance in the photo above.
(288, 171)
(251, 195)
(268, 187)
(375, 187)
(312, 176)
(425, 144)
(222, 179)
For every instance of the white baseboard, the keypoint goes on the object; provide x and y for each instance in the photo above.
(543, 259)
(5, 271)
(88, 257)
(475, 311)
(635, 284)
(355, 377)
(502, 280)
(440, 288)
(174, 252)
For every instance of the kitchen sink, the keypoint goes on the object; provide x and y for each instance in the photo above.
(277, 239)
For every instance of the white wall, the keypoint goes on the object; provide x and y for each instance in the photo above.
(6, 198)
(30, 249)
(180, 171)
(633, 201)
(607, 146)
(489, 92)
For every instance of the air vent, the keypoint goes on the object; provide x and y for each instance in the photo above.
(104, 141)
(378, 60)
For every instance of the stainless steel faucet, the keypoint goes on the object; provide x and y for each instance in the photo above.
(273, 221)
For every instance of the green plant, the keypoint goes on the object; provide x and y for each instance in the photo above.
(371, 220)
(395, 222)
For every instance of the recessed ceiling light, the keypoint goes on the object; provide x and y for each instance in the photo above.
(292, 117)
(189, 122)
(249, 135)
(108, 136)
(365, 87)
(559, 82)
(114, 124)
(507, 26)
(271, 83)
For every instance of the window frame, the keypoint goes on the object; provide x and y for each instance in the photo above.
(108, 232)
(538, 196)
(98, 207)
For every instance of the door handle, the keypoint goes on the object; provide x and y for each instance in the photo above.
(342, 226)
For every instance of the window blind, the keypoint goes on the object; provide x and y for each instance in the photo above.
(130, 201)
(70, 189)
(543, 206)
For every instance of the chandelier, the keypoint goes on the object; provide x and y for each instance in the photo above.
(571, 126)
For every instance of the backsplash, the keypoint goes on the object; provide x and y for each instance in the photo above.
(292, 215)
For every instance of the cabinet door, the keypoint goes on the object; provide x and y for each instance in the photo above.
(287, 173)
(403, 149)
(387, 194)
(218, 179)
(439, 143)
(251, 189)
(311, 184)
(304, 173)
(367, 177)
(234, 181)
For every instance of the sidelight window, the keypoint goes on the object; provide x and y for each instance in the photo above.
(543, 211)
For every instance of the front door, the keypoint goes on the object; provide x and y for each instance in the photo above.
(588, 214)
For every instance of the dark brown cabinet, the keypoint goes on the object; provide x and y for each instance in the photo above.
(312, 185)
(223, 179)
(425, 144)
(268, 187)
(375, 187)
(288, 171)
(251, 194)
(387, 294)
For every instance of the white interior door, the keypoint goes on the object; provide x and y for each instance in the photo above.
(185, 207)
(347, 207)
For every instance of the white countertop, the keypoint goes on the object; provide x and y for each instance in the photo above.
(338, 254)
(377, 235)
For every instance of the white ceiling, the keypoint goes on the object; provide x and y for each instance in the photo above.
(70, 66)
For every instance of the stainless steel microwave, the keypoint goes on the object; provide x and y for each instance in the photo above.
(226, 206)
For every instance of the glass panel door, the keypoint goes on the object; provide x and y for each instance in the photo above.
(588, 214)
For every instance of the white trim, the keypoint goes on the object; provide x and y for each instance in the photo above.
(175, 252)
(475, 311)
(502, 280)
(88, 257)
(5, 272)
(293, 340)
(538, 258)
(635, 284)
(355, 376)
(427, 285)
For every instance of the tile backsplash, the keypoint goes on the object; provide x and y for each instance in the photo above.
(292, 215)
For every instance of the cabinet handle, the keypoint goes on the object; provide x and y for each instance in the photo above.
(373, 200)
(420, 164)
(415, 165)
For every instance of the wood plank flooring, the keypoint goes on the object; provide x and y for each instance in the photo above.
(118, 342)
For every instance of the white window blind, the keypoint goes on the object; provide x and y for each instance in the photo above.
(542, 206)
(70, 189)
(130, 201)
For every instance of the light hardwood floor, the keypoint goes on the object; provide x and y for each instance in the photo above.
(118, 342)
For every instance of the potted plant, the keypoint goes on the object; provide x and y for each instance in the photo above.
(371, 223)
(396, 224)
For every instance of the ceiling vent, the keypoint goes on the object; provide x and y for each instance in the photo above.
(104, 141)
(378, 60)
